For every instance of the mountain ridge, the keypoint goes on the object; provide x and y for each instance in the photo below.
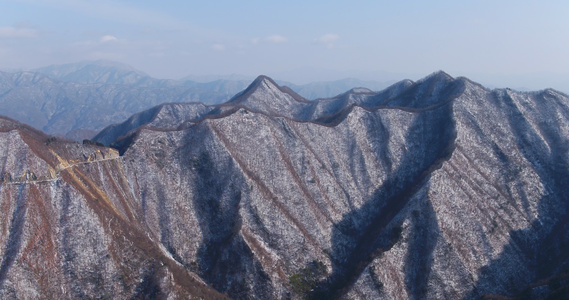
(305, 113)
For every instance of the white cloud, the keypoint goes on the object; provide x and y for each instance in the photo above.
(14, 32)
(276, 39)
(108, 38)
(328, 39)
(218, 47)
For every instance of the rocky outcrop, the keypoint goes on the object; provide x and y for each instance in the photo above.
(436, 189)
(6, 177)
(28, 176)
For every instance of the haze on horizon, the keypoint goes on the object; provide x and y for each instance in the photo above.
(521, 45)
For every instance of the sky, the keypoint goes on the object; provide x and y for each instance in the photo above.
(518, 44)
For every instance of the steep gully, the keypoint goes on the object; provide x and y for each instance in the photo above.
(14, 239)
(542, 256)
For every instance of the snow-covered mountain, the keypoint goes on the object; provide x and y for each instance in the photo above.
(435, 189)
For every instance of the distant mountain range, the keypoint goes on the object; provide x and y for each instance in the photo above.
(108, 72)
(77, 100)
(59, 107)
(434, 189)
(100, 71)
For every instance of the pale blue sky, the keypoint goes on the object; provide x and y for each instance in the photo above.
(502, 43)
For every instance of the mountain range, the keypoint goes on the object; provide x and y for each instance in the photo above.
(77, 100)
(435, 189)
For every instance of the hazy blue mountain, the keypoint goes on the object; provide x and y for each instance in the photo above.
(99, 71)
(80, 109)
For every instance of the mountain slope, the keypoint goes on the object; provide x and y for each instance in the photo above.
(68, 234)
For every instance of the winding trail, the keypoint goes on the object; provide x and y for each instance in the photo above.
(58, 170)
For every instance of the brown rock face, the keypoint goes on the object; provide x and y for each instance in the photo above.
(435, 189)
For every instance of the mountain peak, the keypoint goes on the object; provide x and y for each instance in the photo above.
(263, 86)
(263, 80)
(438, 76)
(360, 90)
(435, 80)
